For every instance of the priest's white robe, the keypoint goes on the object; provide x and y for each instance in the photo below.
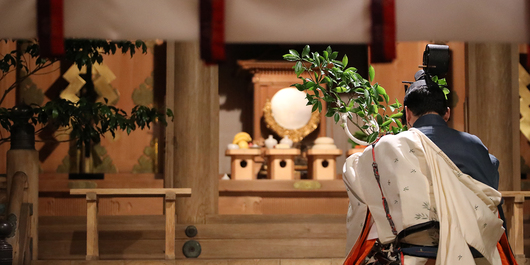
(420, 184)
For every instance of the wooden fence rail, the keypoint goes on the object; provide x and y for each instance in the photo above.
(19, 215)
(92, 195)
(514, 202)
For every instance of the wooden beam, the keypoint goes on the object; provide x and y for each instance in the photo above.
(206, 231)
(181, 192)
(277, 218)
(283, 188)
(211, 249)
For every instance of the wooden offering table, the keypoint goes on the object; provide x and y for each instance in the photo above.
(280, 164)
(322, 163)
(92, 245)
(243, 165)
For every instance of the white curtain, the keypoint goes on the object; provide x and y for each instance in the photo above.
(279, 21)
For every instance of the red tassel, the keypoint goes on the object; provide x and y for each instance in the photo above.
(212, 31)
(50, 27)
(383, 47)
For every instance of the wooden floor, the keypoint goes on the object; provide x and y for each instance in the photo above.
(274, 239)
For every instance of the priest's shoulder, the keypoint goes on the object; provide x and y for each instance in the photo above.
(471, 138)
(402, 136)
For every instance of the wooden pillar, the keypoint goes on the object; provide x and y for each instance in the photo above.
(27, 161)
(170, 224)
(195, 141)
(493, 105)
(92, 233)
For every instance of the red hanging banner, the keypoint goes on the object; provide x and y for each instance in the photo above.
(383, 46)
(212, 17)
(528, 56)
(50, 27)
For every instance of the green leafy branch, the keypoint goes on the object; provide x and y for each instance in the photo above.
(88, 121)
(325, 79)
(442, 83)
(80, 51)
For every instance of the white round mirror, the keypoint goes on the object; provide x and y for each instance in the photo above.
(289, 108)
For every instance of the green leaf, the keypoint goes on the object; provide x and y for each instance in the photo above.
(396, 115)
(327, 80)
(379, 119)
(372, 137)
(329, 50)
(333, 55)
(316, 57)
(330, 112)
(446, 92)
(387, 122)
(344, 61)
(374, 92)
(340, 89)
(300, 87)
(380, 90)
(305, 52)
(294, 53)
(336, 117)
(298, 68)
(372, 109)
(387, 98)
(371, 73)
(315, 107)
(290, 57)
(309, 84)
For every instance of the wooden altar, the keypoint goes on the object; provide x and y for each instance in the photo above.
(268, 78)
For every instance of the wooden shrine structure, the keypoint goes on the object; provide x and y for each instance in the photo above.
(487, 72)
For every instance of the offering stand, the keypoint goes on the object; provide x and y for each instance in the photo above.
(322, 163)
(243, 165)
(280, 163)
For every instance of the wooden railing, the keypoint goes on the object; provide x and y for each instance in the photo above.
(514, 202)
(92, 195)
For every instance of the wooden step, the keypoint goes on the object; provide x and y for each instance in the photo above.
(222, 237)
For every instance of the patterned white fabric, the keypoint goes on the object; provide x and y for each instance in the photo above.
(421, 183)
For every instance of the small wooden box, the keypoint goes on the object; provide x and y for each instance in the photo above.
(322, 163)
(280, 164)
(242, 166)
